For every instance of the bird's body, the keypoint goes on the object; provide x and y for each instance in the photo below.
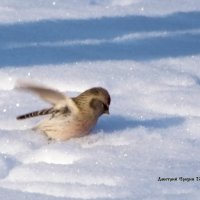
(68, 117)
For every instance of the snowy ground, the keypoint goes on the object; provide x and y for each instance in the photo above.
(147, 54)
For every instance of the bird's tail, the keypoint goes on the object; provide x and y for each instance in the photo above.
(36, 113)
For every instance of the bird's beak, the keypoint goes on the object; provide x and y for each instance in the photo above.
(106, 109)
(107, 112)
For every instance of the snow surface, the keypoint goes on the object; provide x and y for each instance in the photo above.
(147, 54)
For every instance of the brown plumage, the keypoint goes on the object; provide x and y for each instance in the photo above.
(68, 117)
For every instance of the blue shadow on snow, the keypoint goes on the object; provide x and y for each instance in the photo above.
(119, 123)
(24, 44)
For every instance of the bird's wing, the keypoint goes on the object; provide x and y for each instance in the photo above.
(52, 96)
(49, 95)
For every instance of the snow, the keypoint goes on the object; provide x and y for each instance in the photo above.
(147, 54)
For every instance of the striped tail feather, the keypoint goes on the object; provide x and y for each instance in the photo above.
(35, 114)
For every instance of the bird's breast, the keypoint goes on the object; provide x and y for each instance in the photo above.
(83, 126)
(66, 128)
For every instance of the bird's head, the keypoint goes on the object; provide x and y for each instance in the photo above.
(98, 100)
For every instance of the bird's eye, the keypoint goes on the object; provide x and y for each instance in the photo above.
(105, 107)
(99, 106)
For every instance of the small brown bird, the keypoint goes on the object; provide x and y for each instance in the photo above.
(68, 117)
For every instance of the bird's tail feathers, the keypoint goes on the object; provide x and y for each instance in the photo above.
(36, 113)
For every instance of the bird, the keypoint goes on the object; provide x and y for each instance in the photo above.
(68, 117)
